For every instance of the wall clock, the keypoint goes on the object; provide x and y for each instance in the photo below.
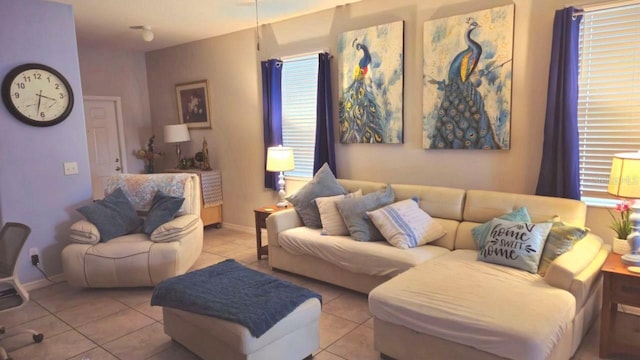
(37, 95)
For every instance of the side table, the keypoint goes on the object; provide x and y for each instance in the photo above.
(261, 223)
(620, 286)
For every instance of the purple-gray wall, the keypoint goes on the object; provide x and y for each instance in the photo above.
(33, 187)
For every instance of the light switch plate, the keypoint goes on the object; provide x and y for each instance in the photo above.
(70, 168)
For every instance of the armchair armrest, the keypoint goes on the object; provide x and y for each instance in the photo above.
(176, 229)
(281, 221)
(84, 232)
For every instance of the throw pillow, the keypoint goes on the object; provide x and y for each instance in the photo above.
(332, 223)
(113, 216)
(323, 184)
(163, 208)
(404, 225)
(480, 232)
(560, 240)
(354, 214)
(515, 244)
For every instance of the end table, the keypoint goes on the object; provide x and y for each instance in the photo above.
(620, 286)
(261, 223)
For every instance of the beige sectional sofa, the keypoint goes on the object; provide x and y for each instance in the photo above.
(438, 301)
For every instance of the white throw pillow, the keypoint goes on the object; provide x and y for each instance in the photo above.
(515, 244)
(404, 225)
(332, 222)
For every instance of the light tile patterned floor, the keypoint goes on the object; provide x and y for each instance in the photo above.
(102, 324)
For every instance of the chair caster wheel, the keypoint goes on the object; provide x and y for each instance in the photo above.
(38, 338)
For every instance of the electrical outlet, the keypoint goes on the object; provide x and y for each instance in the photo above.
(34, 255)
(70, 168)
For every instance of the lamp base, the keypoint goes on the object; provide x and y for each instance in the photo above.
(282, 204)
(631, 259)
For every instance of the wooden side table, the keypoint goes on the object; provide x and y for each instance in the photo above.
(261, 223)
(620, 286)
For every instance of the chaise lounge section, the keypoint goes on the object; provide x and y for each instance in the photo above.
(437, 300)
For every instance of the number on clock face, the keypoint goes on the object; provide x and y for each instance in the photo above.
(39, 95)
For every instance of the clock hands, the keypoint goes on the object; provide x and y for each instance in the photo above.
(39, 100)
(46, 97)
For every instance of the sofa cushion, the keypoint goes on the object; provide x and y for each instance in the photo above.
(560, 240)
(84, 232)
(176, 228)
(354, 214)
(515, 244)
(323, 184)
(332, 223)
(404, 225)
(163, 208)
(113, 216)
(480, 232)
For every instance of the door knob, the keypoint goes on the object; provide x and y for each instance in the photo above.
(117, 160)
(118, 168)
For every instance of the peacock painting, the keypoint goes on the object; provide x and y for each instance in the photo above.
(467, 80)
(370, 107)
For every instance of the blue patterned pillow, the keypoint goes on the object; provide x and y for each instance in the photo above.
(113, 216)
(354, 214)
(323, 184)
(163, 208)
(480, 232)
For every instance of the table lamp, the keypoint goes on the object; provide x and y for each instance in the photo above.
(625, 182)
(176, 134)
(280, 159)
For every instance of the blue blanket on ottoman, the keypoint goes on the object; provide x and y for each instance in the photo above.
(233, 292)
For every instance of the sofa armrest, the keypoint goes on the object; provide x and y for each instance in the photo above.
(84, 232)
(577, 269)
(281, 221)
(176, 229)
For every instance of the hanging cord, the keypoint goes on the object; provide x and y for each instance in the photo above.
(257, 28)
(43, 273)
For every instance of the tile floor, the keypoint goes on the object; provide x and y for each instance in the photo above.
(101, 324)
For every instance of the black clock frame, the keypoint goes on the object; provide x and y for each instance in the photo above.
(6, 94)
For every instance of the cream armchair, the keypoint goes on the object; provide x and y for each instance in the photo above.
(138, 259)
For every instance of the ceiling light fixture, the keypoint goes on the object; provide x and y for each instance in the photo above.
(147, 34)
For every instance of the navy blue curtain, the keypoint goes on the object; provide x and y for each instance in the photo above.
(271, 113)
(559, 170)
(325, 148)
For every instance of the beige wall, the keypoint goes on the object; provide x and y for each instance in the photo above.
(107, 72)
(231, 64)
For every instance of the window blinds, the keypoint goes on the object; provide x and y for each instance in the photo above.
(609, 92)
(299, 98)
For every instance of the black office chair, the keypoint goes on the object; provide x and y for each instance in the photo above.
(12, 294)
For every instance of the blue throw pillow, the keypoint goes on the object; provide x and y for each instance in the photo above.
(323, 184)
(480, 232)
(113, 216)
(354, 214)
(163, 208)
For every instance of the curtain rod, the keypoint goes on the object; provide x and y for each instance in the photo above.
(284, 58)
(602, 6)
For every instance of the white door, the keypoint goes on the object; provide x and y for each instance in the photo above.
(103, 140)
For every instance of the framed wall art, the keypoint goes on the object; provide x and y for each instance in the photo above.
(193, 104)
(467, 80)
(371, 69)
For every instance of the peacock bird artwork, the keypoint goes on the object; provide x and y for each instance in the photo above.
(470, 107)
(370, 100)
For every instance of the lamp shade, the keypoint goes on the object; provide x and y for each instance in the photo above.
(280, 158)
(176, 133)
(625, 175)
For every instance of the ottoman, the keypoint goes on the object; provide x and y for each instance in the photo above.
(228, 311)
(294, 337)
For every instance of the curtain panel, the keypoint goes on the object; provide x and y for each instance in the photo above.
(271, 113)
(324, 148)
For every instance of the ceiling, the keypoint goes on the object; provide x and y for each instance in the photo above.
(105, 23)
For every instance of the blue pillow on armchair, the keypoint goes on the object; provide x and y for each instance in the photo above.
(113, 216)
(163, 208)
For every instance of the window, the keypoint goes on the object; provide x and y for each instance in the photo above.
(609, 94)
(299, 98)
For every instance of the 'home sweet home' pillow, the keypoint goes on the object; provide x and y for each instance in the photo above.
(405, 225)
(515, 244)
(480, 232)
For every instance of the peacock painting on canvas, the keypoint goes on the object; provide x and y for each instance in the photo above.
(370, 107)
(467, 80)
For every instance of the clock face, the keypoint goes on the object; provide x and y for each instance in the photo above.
(37, 95)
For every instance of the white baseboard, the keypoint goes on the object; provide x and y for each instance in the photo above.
(244, 229)
(43, 282)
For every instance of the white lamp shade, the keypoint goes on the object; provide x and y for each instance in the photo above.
(280, 159)
(176, 133)
(625, 175)
(147, 34)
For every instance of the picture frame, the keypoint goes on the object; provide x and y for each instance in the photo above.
(193, 104)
